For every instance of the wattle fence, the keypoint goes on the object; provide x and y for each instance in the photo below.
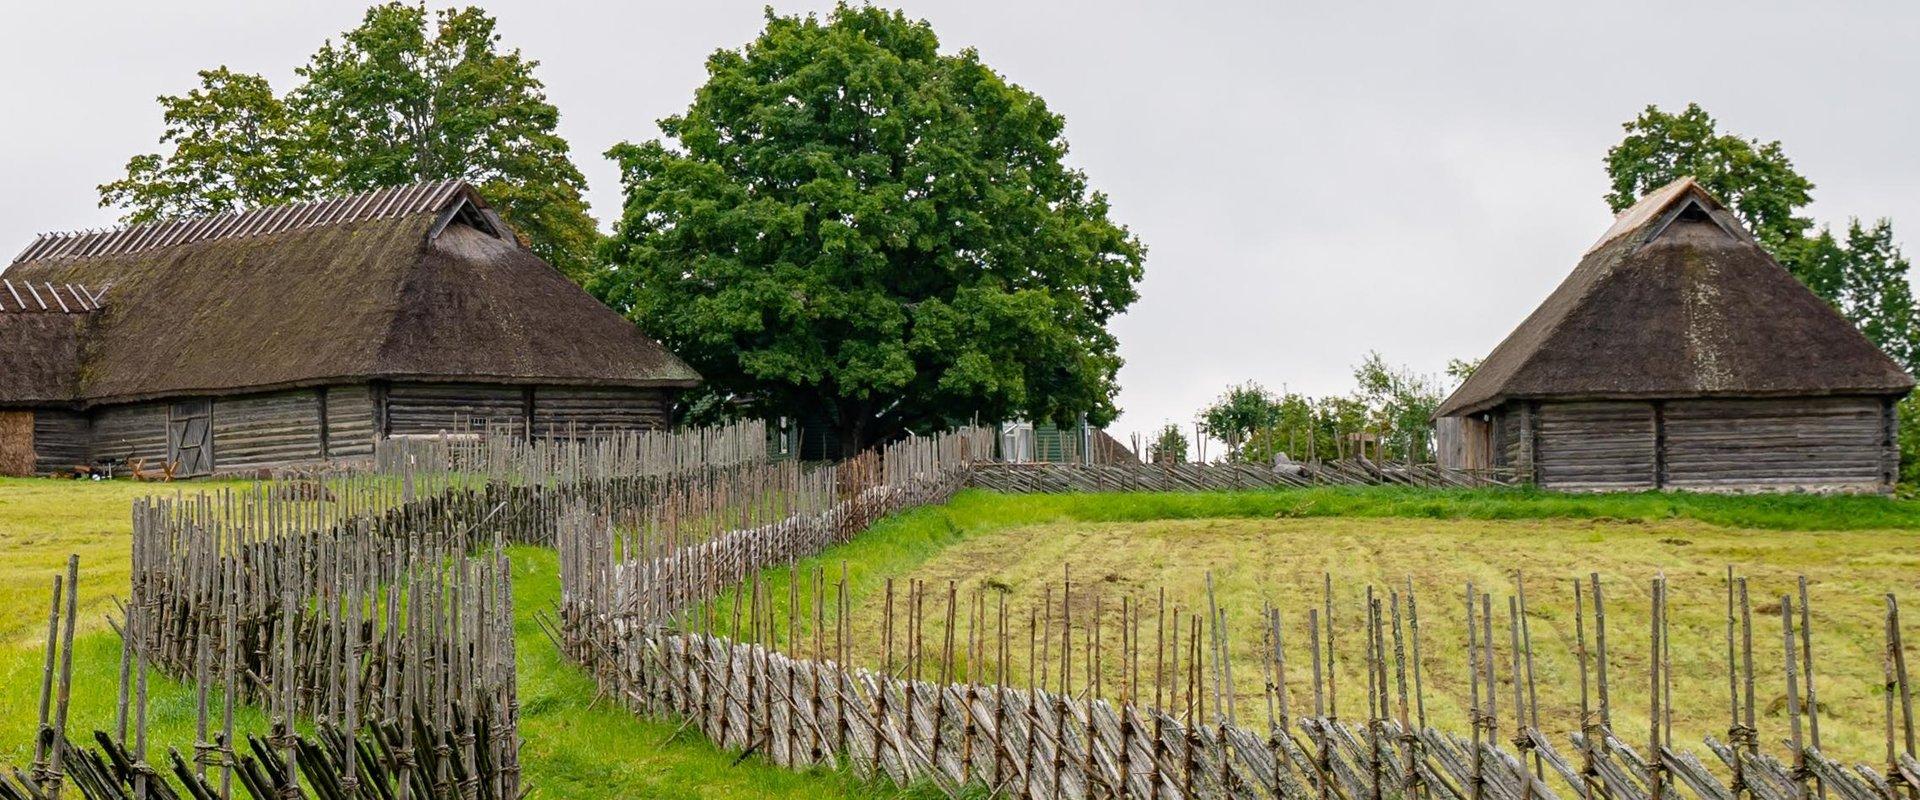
(698, 635)
(1055, 478)
(376, 606)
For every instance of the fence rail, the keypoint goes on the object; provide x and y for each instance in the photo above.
(1047, 478)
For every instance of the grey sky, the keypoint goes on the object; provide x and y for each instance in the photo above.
(1313, 180)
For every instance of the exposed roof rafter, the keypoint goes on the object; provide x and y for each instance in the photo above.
(385, 203)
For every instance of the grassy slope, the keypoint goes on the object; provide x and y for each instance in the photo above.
(1260, 550)
(41, 521)
(575, 747)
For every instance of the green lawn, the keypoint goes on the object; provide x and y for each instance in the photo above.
(1261, 545)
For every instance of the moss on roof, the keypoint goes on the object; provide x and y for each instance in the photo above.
(1677, 300)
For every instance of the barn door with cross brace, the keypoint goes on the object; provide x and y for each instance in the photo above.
(190, 437)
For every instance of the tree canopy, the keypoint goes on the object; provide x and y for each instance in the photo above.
(1388, 415)
(848, 225)
(1753, 178)
(407, 96)
(1169, 446)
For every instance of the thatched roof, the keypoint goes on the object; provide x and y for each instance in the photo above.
(415, 283)
(1678, 300)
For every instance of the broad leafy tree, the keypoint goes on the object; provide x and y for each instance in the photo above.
(849, 225)
(1239, 415)
(1753, 178)
(407, 96)
(1169, 446)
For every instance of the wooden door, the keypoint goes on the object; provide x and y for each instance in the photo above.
(190, 437)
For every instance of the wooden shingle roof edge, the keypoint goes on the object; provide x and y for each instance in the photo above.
(384, 203)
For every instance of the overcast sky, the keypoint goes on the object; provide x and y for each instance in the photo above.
(1313, 180)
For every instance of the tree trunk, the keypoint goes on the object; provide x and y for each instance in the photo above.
(851, 430)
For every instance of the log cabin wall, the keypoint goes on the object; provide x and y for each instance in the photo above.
(420, 409)
(423, 409)
(1602, 446)
(349, 421)
(126, 432)
(1805, 443)
(560, 409)
(1816, 444)
(60, 440)
(305, 427)
(264, 431)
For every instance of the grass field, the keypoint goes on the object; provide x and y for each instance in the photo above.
(1260, 546)
(1259, 550)
(576, 746)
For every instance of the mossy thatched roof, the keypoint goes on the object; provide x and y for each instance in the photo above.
(1677, 300)
(418, 283)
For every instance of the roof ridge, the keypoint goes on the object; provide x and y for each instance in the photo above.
(383, 203)
(1650, 205)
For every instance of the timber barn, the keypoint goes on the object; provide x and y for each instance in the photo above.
(1680, 355)
(299, 335)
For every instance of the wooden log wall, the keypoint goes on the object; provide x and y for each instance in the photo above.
(1596, 446)
(1812, 444)
(60, 439)
(417, 409)
(1817, 444)
(126, 432)
(251, 432)
(593, 410)
(424, 409)
(351, 427)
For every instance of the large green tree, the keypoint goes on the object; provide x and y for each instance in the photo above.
(1754, 178)
(409, 95)
(849, 225)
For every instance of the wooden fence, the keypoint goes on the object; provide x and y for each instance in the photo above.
(377, 604)
(1043, 478)
(650, 622)
(949, 713)
(423, 708)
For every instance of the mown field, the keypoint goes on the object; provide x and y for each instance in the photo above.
(1273, 548)
(1261, 547)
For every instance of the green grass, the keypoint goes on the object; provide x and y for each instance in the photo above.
(43, 520)
(1260, 545)
(576, 747)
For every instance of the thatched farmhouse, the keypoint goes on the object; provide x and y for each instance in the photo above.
(300, 334)
(1680, 355)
